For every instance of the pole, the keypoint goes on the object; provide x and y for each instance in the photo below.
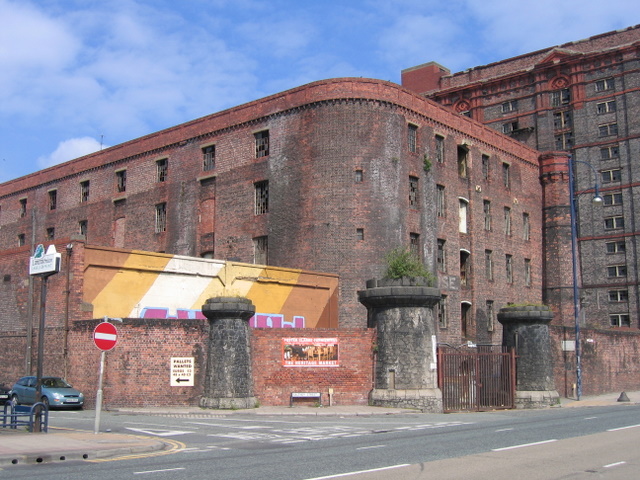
(96, 425)
(43, 309)
(576, 296)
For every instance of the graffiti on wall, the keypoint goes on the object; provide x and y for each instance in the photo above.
(259, 320)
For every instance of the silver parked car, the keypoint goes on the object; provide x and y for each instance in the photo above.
(56, 392)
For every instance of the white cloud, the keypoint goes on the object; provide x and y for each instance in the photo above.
(70, 149)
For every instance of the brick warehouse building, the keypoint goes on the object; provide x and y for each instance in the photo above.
(582, 97)
(325, 177)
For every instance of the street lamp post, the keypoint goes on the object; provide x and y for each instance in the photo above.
(574, 257)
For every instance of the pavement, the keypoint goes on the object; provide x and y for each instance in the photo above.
(18, 447)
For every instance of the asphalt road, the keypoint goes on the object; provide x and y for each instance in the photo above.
(592, 442)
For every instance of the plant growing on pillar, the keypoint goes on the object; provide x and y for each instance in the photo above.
(402, 263)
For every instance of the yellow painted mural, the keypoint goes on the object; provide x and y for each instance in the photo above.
(138, 284)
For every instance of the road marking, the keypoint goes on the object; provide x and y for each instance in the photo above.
(174, 447)
(158, 433)
(358, 473)
(590, 418)
(523, 445)
(622, 428)
(158, 471)
(614, 464)
(370, 447)
(504, 430)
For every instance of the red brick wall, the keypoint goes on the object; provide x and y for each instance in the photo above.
(137, 370)
(610, 360)
(351, 381)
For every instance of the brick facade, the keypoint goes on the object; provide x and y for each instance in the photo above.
(581, 97)
(344, 187)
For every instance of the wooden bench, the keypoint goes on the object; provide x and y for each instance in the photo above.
(295, 395)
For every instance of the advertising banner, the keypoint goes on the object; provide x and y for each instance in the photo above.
(310, 352)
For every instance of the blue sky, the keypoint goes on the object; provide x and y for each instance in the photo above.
(75, 74)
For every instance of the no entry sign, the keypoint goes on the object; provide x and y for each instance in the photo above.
(105, 336)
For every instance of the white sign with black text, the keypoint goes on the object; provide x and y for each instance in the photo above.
(182, 371)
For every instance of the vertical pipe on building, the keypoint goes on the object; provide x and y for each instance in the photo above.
(576, 297)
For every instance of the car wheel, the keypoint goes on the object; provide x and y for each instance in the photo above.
(45, 400)
(14, 399)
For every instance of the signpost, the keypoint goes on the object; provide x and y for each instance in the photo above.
(105, 336)
(43, 265)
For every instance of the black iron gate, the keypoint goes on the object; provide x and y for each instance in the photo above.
(476, 378)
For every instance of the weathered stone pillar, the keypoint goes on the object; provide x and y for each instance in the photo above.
(229, 378)
(526, 329)
(406, 373)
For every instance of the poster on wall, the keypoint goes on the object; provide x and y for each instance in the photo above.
(310, 352)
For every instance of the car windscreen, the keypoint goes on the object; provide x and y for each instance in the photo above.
(55, 383)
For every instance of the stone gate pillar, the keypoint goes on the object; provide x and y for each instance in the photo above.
(229, 378)
(526, 329)
(405, 373)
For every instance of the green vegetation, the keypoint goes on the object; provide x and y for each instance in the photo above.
(403, 263)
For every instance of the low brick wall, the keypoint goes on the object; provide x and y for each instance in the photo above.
(351, 380)
(610, 360)
(137, 370)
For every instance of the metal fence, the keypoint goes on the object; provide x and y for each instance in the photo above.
(478, 378)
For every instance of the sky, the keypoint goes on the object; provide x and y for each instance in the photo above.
(80, 75)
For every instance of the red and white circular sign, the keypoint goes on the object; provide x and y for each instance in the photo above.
(105, 336)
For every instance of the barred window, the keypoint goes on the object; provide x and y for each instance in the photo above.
(261, 250)
(121, 181)
(161, 217)
(506, 174)
(53, 199)
(262, 143)
(526, 227)
(262, 197)
(441, 255)
(560, 97)
(84, 191)
(527, 272)
(414, 245)
(439, 149)
(413, 192)
(487, 214)
(359, 176)
(509, 268)
(412, 138)
(485, 167)
(507, 221)
(23, 207)
(491, 315)
(440, 201)
(162, 169)
(488, 264)
(209, 157)
(463, 160)
(443, 313)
